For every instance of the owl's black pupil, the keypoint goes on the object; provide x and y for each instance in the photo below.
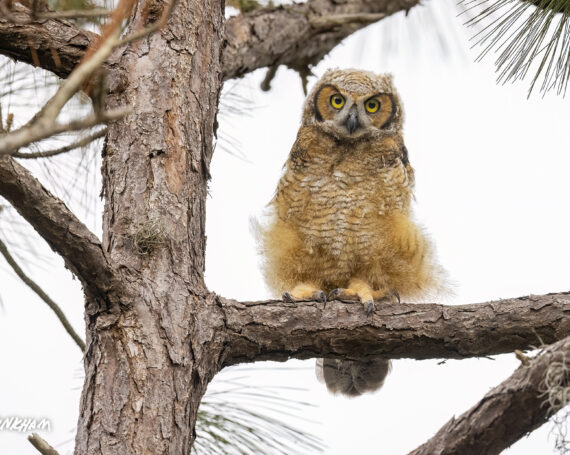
(371, 105)
(337, 100)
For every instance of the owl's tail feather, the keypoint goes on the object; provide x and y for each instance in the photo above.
(352, 378)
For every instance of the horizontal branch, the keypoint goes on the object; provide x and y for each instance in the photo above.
(275, 330)
(66, 235)
(11, 142)
(55, 45)
(298, 35)
(67, 148)
(511, 410)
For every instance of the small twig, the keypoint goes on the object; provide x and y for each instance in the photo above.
(538, 337)
(152, 28)
(78, 77)
(80, 143)
(75, 14)
(327, 22)
(266, 84)
(40, 292)
(44, 123)
(42, 130)
(523, 358)
(42, 446)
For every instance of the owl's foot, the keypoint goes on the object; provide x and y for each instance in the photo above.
(305, 292)
(391, 296)
(357, 290)
(343, 294)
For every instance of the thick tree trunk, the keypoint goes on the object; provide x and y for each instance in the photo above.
(151, 354)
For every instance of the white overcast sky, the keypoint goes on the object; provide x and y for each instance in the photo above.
(492, 189)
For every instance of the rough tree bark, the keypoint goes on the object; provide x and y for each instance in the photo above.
(155, 335)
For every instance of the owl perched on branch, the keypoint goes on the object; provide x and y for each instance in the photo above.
(341, 224)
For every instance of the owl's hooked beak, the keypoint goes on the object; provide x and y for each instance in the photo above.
(352, 122)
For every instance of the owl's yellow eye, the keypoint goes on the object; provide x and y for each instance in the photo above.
(337, 101)
(372, 106)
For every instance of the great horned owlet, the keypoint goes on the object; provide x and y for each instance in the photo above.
(341, 223)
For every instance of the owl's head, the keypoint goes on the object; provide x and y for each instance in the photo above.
(354, 104)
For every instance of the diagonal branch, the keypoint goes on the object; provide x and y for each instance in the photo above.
(42, 295)
(67, 148)
(514, 408)
(297, 35)
(79, 247)
(277, 330)
(55, 45)
(43, 447)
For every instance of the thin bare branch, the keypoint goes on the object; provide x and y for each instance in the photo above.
(75, 14)
(11, 142)
(43, 447)
(275, 330)
(333, 21)
(44, 123)
(79, 247)
(49, 153)
(42, 295)
(151, 28)
(511, 410)
(76, 79)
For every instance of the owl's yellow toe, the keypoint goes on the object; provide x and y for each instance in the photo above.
(305, 291)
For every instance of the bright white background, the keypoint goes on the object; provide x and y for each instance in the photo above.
(492, 189)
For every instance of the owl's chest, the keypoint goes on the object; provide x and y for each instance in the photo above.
(343, 206)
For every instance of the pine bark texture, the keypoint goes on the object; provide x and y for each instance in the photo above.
(151, 355)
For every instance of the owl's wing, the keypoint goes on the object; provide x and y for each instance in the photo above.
(406, 162)
(295, 163)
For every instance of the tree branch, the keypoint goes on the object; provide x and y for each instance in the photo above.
(43, 447)
(11, 142)
(55, 45)
(66, 235)
(514, 408)
(296, 35)
(74, 145)
(42, 295)
(276, 330)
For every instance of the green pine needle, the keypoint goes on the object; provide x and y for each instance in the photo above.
(532, 38)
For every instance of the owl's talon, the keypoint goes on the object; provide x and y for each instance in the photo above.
(396, 295)
(320, 296)
(287, 297)
(369, 305)
(335, 293)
